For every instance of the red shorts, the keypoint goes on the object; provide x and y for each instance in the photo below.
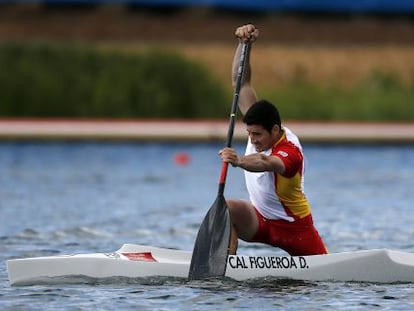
(298, 238)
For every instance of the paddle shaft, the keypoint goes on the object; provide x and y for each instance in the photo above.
(243, 57)
(211, 248)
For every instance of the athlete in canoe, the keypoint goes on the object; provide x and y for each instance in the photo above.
(278, 212)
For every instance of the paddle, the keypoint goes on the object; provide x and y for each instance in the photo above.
(211, 247)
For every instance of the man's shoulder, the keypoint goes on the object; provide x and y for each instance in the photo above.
(286, 144)
(291, 138)
(289, 145)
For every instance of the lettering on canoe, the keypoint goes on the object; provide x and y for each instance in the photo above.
(267, 262)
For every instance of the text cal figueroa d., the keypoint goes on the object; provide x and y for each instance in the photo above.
(267, 262)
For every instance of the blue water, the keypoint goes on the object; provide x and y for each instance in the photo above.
(64, 198)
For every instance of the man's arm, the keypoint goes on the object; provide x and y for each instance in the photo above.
(247, 96)
(256, 162)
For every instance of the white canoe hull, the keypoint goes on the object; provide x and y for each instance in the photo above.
(139, 261)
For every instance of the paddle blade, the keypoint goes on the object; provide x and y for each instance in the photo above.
(211, 248)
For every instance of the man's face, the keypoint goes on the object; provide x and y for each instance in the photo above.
(261, 138)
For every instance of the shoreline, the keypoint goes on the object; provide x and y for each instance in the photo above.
(196, 130)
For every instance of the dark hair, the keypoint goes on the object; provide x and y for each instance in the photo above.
(263, 113)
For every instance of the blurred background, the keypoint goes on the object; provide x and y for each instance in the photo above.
(316, 60)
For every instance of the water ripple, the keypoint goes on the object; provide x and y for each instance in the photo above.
(67, 198)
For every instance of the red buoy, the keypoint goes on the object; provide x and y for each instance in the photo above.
(182, 158)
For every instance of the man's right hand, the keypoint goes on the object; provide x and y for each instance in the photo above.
(247, 32)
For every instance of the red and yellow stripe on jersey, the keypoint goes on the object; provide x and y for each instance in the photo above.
(280, 196)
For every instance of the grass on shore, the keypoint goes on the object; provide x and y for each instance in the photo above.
(364, 83)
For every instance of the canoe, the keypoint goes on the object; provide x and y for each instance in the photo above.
(140, 261)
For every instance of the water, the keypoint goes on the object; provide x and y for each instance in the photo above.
(64, 198)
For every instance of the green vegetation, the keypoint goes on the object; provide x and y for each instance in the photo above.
(380, 97)
(62, 80)
(59, 80)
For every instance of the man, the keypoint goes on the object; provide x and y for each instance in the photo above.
(278, 213)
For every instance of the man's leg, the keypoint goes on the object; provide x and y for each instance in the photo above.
(234, 241)
(244, 222)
